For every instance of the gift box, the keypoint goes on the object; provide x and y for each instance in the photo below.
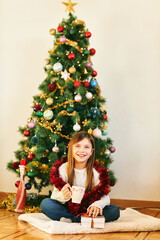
(91, 222)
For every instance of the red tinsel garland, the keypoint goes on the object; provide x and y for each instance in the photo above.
(95, 194)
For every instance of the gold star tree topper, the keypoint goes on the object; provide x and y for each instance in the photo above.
(69, 6)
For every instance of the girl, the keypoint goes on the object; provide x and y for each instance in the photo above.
(81, 170)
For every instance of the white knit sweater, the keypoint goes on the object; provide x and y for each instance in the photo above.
(80, 180)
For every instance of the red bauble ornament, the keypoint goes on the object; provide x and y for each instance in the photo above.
(17, 183)
(77, 83)
(92, 51)
(26, 133)
(71, 56)
(94, 73)
(15, 165)
(112, 184)
(37, 107)
(105, 117)
(30, 156)
(88, 34)
(112, 149)
(60, 29)
(52, 86)
(86, 84)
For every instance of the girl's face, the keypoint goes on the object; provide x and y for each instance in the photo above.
(82, 151)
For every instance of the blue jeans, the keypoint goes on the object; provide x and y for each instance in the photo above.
(55, 210)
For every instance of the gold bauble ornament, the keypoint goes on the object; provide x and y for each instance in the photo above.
(47, 61)
(77, 22)
(33, 149)
(29, 120)
(52, 31)
(49, 101)
(72, 70)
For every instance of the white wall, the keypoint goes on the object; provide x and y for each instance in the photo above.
(126, 35)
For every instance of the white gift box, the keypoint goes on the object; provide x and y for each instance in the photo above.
(91, 222)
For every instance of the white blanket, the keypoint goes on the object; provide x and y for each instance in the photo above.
(130, 220)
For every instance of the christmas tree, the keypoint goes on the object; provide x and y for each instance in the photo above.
(70, 100)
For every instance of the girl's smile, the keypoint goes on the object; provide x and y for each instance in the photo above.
(82, 151)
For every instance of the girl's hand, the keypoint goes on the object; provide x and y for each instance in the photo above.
(94, 211)
(66, 190)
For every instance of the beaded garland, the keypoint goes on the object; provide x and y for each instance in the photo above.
(103, 188)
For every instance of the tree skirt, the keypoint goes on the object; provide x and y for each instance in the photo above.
(130, 220)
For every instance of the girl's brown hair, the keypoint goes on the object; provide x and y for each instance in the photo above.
(77, 137)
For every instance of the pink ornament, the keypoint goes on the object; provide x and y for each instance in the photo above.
(62, 39)
(97, 133)
(112, 149)
(78, 98)
(31, 124)
(88, 64)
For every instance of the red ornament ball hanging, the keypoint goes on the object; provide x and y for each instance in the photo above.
(26, 133)
(86, 84)
(112, 183)
(17, 183)
(112, 149)
(37, 107)
(15, 165)
(77, 83)
(94, 73)
(71, 56)
(30, 156)
(92, 51)
(52, 86)
(88, 34)
(105, 117)
(60, 29)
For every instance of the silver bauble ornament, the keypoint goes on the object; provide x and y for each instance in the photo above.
(108, 153)
(89, 95)
(57, 67)
(78, 98)
(48, 114)
(76, 127)
(97, 133)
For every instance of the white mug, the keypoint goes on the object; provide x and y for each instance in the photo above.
(77, 194)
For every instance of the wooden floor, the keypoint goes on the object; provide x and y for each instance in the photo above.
(11, 228)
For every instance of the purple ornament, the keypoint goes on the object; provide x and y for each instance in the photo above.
(31, 124)
(88, 64)
(112, 149)
(62, 39)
